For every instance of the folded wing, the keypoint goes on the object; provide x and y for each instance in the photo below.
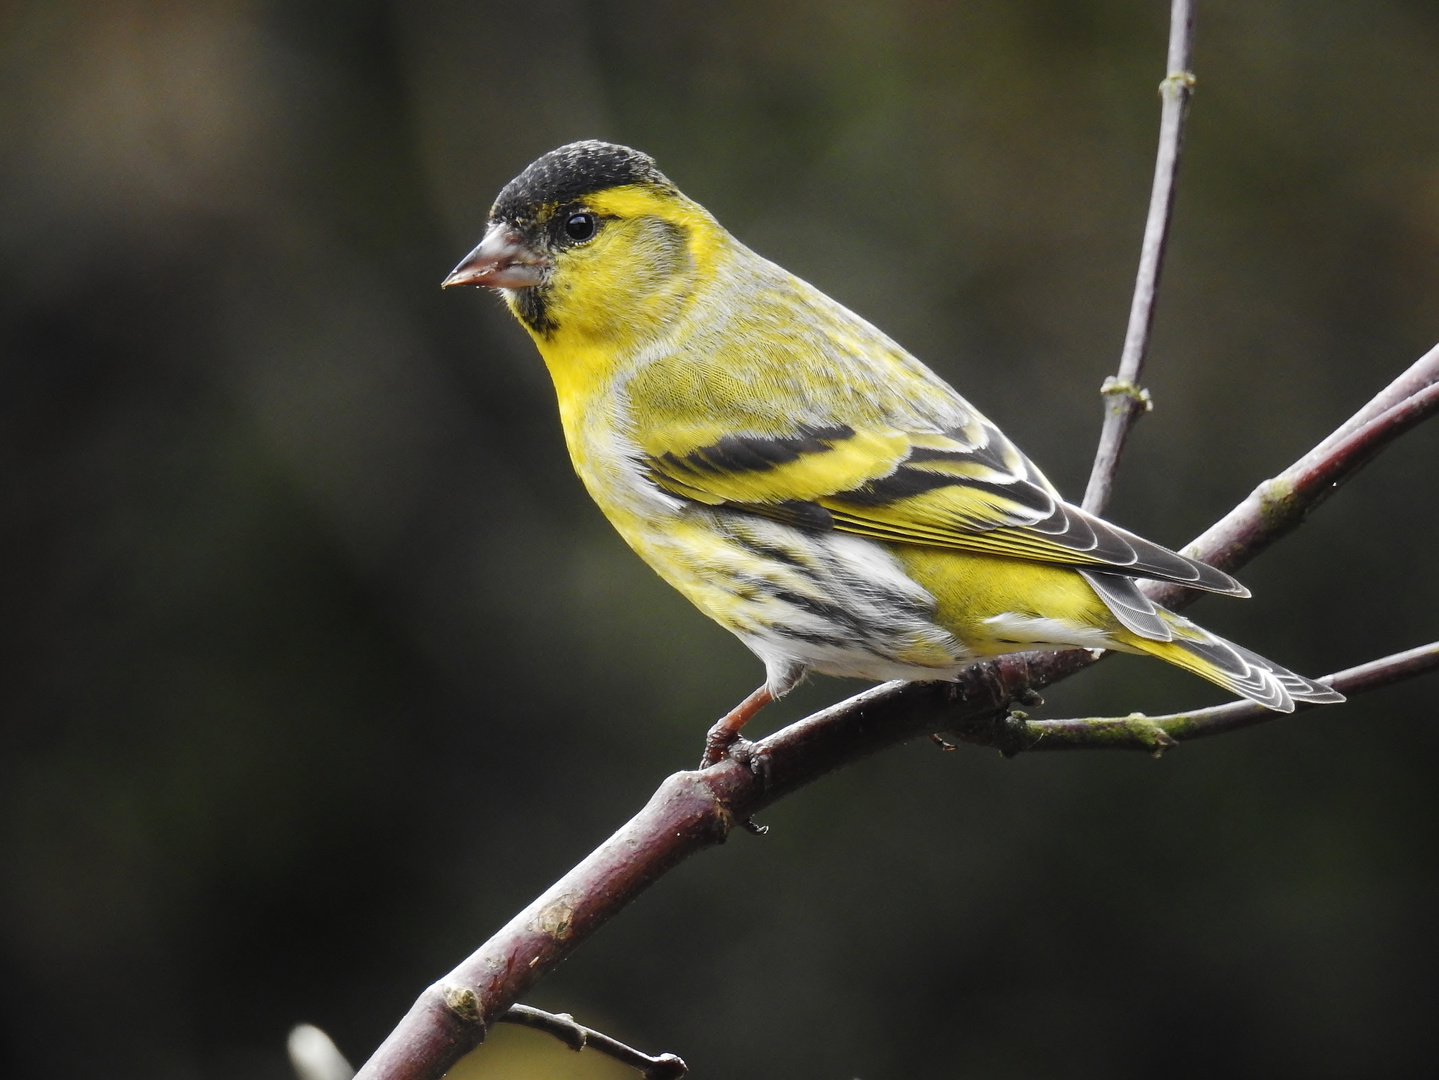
(966, 488)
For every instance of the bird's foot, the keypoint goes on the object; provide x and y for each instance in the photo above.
(725, 732)
(718, 744)
(759, 759)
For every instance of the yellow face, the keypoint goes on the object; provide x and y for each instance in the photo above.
(596, 253)
(622, 263)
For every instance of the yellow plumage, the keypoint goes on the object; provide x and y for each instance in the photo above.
(795, 473)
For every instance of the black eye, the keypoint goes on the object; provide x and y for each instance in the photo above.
(581, 226)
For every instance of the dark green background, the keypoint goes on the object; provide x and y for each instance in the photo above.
(318, 663)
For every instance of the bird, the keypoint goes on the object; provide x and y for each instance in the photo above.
(795, 473)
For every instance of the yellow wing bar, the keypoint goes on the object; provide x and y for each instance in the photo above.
(942, 490)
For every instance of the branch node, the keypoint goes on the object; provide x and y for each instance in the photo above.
(568, 1031)
(464, 1003)
(1177, 82)
(1012, 736)
(667, 1067)
(1278, 504)
(555, 919)
(1162, 740)
(1114, 386)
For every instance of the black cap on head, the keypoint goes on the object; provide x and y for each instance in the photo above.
(570, 173)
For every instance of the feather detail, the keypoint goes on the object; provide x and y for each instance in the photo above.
(1131, 607)
(1234, 667)
(946, 489)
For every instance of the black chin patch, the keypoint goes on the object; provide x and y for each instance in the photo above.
(569, 174)
(533, 307)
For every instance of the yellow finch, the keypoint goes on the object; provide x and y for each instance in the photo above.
(796, 474)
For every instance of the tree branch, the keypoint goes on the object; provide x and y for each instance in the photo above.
(1278, 506)
(1124, 399)
(1422, 373)
(1156, 734)
(578, 1037)
(692, 811)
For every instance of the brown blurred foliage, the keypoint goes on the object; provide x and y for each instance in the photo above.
(318, 664)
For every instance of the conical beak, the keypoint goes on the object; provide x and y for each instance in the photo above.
(502, 261)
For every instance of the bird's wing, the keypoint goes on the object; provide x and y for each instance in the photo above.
(967, 488)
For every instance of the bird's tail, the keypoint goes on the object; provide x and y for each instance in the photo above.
(1233, 667)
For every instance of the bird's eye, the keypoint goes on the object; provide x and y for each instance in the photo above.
(581, 226)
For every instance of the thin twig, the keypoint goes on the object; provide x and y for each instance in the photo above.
(578, 1037)
(693, 811)
(1279, 505)
(1156, 734)
(1124, 399)
(1351, 451)
(1423, 372)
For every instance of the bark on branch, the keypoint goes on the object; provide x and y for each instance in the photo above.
(1125, 400)
(1156, 734)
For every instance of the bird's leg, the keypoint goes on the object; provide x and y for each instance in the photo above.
(726, 730)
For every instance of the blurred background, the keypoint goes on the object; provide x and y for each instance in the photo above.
(318, 664)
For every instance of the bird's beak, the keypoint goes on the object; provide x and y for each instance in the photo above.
(502, 261)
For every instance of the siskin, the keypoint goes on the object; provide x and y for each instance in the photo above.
(797, 475)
